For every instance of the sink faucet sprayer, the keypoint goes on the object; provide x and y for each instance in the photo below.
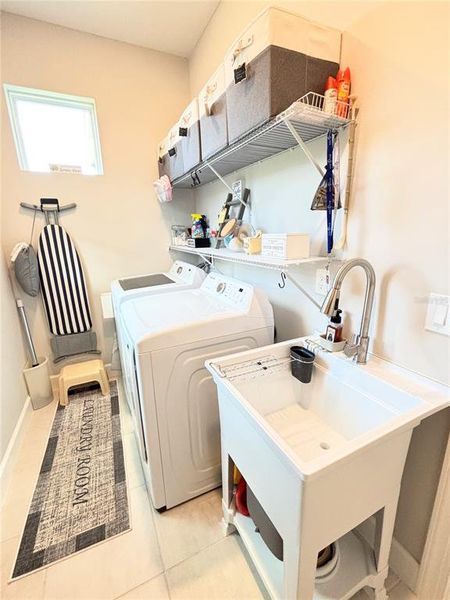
(359, 348)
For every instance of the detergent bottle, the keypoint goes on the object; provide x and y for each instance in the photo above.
(343, 91)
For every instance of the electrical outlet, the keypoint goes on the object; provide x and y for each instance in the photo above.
(438, 317)
(322, 281)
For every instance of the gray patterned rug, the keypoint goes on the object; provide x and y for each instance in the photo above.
(81, 493)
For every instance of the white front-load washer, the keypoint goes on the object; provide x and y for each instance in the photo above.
(181, 276)
(174, 396)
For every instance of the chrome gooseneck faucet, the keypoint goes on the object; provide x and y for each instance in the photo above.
(359, 348)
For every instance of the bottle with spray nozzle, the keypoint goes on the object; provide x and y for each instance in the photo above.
(343, 79)
(330, 95)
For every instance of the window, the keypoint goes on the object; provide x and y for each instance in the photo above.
(54, 132)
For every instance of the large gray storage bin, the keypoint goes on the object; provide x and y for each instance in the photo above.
(285, 57)
(163, 158)
(175, 152)
(212, 105)
(189, 131)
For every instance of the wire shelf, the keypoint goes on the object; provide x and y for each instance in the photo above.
(307, 117)
(265, 262)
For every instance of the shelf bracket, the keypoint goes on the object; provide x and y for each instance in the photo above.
(219, 176)
(304, 147)
(302, 289)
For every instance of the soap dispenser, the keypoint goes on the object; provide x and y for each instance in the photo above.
(334, 329)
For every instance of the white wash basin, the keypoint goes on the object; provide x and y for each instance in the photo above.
(344, 408)
(320, 458)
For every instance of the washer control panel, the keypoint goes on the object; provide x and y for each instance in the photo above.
(233, 292)
(185, 273)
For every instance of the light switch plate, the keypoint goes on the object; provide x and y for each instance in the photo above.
(438, 314)
(322, 281)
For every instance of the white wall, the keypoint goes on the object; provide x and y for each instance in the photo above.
(12, 360)
(118, 226)
(398, 53)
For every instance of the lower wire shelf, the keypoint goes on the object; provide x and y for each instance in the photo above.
(265, 262)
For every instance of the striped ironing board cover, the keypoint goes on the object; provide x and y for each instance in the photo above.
(62, 282)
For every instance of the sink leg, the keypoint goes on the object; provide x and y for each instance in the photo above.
(385, 521)
(307, 561)
(227, 493)
(380, 594)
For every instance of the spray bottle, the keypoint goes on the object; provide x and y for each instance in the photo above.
(330, 95)
(343, 92)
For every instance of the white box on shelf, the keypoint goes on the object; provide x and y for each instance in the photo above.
(285, 245)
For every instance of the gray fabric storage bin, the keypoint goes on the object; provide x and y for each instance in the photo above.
(189, 131)
(285, 57)
(163, 158)
(212, 106)
(175, 152)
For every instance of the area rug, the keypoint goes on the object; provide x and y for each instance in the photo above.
(81, 494)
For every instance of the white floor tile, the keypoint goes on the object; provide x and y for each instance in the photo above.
(126, 419)
(30, 587)
(155, 589)
(135, 476)
(190, 527)
(220, 572)
(114, 567)
(13, 516)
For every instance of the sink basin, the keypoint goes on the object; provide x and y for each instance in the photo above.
(318, 418)
(344, 408)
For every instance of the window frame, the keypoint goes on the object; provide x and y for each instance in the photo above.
(15, 92)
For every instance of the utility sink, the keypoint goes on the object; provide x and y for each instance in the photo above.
(320, 458)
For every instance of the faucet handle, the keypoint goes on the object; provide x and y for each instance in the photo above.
(351, 348)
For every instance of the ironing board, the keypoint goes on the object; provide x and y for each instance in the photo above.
(63, 283)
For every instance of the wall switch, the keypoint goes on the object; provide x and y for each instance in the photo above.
(322, 281)
(438, 317)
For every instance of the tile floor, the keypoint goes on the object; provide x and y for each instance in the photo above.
(180, 554)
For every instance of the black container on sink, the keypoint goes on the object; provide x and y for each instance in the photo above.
(302, 361)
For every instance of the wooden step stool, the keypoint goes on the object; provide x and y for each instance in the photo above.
(79, 373)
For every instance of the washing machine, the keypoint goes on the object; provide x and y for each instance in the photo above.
(174, 397)
(181, 276)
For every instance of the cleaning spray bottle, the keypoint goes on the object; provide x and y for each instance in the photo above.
(343, 79)
(330, 95)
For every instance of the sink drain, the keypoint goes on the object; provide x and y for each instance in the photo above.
(324, 446)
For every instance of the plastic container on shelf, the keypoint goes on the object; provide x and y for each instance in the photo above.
(277, 59)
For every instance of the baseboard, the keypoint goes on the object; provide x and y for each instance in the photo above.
(9, 458)
(400, 560)
(404, 564)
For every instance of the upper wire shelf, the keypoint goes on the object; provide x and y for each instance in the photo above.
(306, 116)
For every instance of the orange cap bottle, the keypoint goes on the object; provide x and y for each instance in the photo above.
(343, 79)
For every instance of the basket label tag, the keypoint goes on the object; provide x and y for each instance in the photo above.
(240, 73)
